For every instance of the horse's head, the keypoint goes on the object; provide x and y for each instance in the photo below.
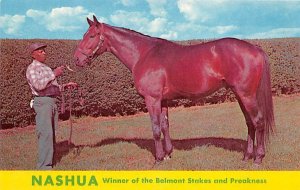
(92, 44)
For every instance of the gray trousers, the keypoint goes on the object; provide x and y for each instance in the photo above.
(46, 122)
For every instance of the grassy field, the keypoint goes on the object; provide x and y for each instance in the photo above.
(209, 137)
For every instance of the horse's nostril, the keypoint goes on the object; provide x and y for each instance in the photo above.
(77, 61)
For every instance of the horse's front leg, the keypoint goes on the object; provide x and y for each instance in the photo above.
(154, 109)
(164, 123)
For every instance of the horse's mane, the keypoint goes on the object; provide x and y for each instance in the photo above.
(138, 33)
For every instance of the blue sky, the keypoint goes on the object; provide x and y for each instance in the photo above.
(169, 19)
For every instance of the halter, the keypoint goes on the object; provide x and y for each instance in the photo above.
(99, 45)
(101, 41)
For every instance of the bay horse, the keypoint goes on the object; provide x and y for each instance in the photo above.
(164, 70)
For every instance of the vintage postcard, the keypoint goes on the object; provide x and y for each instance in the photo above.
(144, 94)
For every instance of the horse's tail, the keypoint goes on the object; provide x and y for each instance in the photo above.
(264, 98)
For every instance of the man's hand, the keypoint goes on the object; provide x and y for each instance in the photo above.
(59, 71)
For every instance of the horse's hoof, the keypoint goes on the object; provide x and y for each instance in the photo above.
(157, 162)
(247, 157)
(168, 157)
(257, 161)
(245, 160)
(256, 165)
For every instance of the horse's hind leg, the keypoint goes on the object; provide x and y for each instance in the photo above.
(164, 123)
(254, 121)
(249, 152)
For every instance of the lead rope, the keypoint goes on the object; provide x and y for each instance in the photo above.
(70, 118)
(63, 104)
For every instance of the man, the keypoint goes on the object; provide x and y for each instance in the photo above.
(45, 89)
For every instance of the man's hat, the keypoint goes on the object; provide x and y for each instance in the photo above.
(36, 46)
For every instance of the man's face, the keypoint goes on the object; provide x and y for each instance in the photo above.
(39, 55)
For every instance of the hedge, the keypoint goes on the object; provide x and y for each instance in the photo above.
(107, 86)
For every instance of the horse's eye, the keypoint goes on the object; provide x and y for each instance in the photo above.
(92, 36)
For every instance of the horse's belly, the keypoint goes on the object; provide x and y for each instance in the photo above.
(199, 76)
(192, 88)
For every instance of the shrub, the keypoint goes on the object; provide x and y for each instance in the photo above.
(107, 85)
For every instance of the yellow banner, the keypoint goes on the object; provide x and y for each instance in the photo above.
(144, 180)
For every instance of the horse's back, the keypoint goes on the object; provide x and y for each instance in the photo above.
(199, 70)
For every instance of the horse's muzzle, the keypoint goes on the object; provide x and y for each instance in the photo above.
(81, 59)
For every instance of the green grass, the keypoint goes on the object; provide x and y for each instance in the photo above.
(205, 138)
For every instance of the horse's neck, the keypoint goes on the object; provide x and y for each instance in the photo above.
(129, 46)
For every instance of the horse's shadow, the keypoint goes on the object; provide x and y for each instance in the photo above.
(238, 145)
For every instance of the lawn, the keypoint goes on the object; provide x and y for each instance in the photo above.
(210, 137)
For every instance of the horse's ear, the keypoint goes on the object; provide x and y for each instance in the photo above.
(96, 22)
(89, 21)
(95, 19)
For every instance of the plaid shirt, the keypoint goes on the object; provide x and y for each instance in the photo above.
(41, 78)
